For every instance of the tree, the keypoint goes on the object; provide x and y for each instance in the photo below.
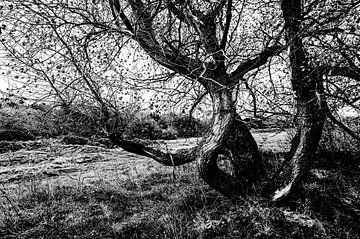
(215, 46)
(197, 40)
(74, 55)
(314, 31)
(50, 51)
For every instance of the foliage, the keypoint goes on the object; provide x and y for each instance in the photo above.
(6, 146)
(76, 48)
(189, 127)
(145, 127)
(26, 123)
(171, 126)
(23, 124)
(71, 139)
(78, 120)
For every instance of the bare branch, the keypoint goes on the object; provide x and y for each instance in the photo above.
(343, 127)
(168, 58)
(180, 157)
(253, 96)
(321, 32)
(254, 63)
(198, 100)
(350, 72)
(116, 8)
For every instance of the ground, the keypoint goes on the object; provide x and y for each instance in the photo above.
(51, 160)
(53, 190)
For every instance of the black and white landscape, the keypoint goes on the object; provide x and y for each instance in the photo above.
(179, 119)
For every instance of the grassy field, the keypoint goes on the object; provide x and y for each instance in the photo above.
(81, 191)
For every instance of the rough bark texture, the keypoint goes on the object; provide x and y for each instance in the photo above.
(311, 106)
(230, 137)
(304, 148)
(180, 157)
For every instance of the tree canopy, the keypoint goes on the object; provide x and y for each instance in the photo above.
(289, 56)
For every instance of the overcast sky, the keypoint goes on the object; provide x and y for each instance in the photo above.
(3, 83)
(5, 80)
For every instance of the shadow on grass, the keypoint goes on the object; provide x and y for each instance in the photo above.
(159, 206)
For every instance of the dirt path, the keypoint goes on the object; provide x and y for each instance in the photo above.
(54, 161)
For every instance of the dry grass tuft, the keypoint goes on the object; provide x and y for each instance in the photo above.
(157, 206)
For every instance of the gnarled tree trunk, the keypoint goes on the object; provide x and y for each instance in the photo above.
(312, 112)
(231, 138)
(311, 105)
(228, 138)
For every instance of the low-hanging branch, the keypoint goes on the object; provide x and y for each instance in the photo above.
(177, 158)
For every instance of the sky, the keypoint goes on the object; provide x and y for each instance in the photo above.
(3, 80)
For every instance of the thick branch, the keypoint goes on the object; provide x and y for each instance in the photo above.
(180, 157)
(145, 36)
(254, 63)
(350, 72)
(205, 26)
(115, 6)
(227, 25)
(174, 10)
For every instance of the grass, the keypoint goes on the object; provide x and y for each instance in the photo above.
(159, 206)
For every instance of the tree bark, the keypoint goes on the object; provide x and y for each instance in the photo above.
(303, 149)
(179, 157)
(307, 84)
(229, 139)
(312, 111)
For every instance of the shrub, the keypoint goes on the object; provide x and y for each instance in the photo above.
(189, 127)
(29, 122)
(79, 121)
(145, 127)
(6, 146)
(23, 124)
(16, 134)
(169, 133)
(171, 126)
(72, 139)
